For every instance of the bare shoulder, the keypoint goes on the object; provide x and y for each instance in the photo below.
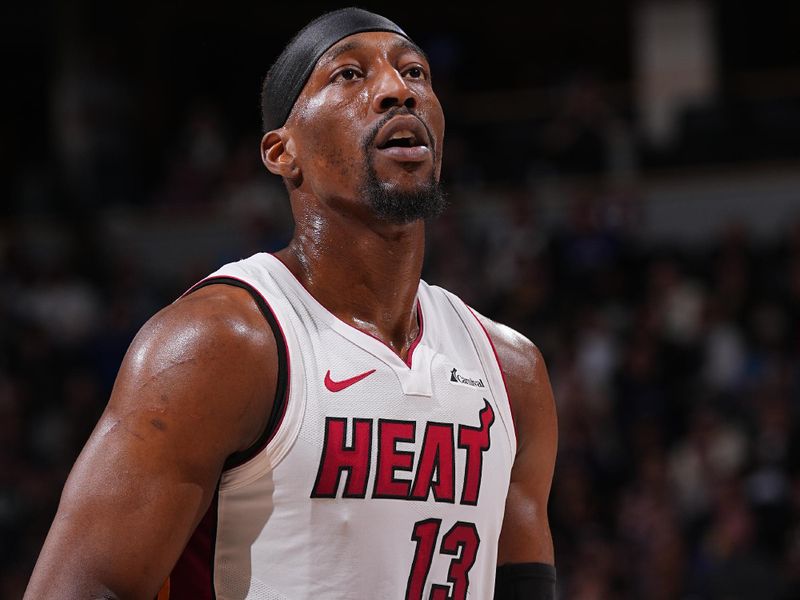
(213, 343)
(222, 313)
(523, 367)
(195, 386)
(519, 357)
(525, 536)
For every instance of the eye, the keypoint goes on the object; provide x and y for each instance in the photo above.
(415, 73)
(348, 74)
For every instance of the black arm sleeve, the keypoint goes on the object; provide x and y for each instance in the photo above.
(525, 581)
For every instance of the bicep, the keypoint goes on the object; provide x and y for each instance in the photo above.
(184, 400)
(128, 507)
(525, 535)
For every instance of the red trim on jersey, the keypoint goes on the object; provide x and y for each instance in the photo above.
(500, 366)
(192, 578)
(411, 348)
(194, 286)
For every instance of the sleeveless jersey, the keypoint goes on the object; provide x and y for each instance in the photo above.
(380, 478)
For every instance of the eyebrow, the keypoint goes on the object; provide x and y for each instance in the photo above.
(349, 46)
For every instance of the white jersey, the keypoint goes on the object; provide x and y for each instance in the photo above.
(378, 478)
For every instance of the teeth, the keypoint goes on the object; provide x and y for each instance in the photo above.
(402, 134)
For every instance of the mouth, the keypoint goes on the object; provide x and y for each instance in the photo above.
(405, 139)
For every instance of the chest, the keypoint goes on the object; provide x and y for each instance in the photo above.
(427, 431)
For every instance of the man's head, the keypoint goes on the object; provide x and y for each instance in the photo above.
(351, 118)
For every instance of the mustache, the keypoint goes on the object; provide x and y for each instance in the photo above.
(369, 139)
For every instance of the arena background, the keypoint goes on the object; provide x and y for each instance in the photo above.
(625, 188)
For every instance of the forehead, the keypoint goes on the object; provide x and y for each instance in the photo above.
(371, 42)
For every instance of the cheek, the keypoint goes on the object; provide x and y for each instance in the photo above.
(329, 111)
(331, 143)
(434, 117)
(437, 122)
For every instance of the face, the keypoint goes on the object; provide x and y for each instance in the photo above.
(367, 129)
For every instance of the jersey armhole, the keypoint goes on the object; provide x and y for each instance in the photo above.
(281, 389)
(499, 367)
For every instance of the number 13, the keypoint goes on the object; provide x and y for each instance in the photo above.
(461, 541)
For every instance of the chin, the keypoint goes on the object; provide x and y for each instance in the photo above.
(398, 203)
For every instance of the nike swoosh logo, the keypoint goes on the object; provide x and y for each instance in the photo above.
(338, 386)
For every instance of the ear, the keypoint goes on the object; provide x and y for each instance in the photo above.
(277, 154)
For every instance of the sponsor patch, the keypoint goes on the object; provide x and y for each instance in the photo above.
(467, 378)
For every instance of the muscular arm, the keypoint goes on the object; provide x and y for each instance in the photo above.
(196, 385)
(525, 536)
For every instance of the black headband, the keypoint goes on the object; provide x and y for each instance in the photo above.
(289, 73)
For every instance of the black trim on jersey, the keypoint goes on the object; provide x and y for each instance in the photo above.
(361, 492)
(435, 483)
(479, 428)
(410, 469)
(281, 387)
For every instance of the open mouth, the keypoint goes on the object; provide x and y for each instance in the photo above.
(401, 139)
(405, 139)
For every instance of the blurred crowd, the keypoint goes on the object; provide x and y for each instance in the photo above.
(677, 378)
(676, 369)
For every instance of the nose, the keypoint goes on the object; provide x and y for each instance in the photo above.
(391, 91)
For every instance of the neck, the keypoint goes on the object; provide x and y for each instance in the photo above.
(367, 274)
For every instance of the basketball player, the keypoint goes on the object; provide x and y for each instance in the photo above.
(319, 423)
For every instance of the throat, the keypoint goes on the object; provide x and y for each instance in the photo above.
(370, 282)
(405, 338)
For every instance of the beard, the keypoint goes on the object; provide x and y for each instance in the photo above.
(398, 206)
